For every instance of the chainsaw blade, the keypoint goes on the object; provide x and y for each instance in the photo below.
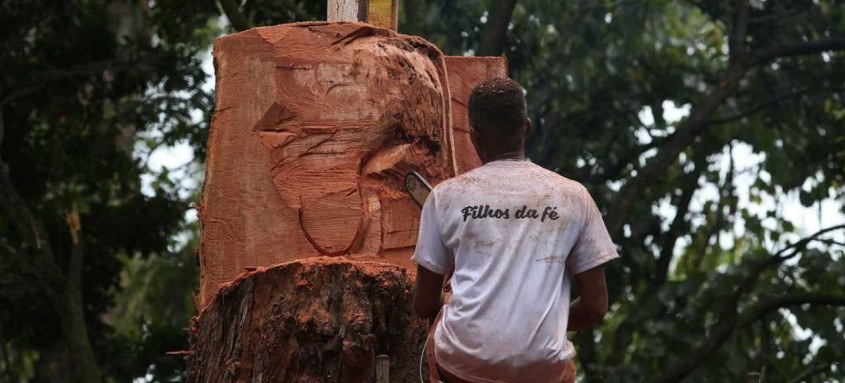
(417, 187)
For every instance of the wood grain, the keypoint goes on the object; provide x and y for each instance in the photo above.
(315, 126)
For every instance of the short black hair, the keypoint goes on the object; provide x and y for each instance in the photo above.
(497, 107)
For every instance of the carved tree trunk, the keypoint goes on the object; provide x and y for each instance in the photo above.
(315, 126)
(314, 320)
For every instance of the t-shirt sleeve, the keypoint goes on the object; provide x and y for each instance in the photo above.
(431, 252)
(594, 246)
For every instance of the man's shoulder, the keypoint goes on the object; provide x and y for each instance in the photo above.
(552, 179)
(535, 176)
(456, 184)
(572, 185)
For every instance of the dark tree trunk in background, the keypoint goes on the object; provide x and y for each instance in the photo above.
(494, 38)
(312, 320)
(63, 291)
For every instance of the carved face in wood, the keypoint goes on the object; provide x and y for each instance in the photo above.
(352, 114)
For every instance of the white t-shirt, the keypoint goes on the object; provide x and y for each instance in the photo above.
(515, 233)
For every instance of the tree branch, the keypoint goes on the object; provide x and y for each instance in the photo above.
(771, 101)
(494, 38)
(77, 255)
(73, 324)
(733, 321)
(7, 250)
(779, 257)
(736, 40)
(720, 334)
(699, 118)
(801, 49)
(236, 17)
(629, 158)
(684, 136)
(679, 223)
(679, 226)
(92, 68)
(796, 247)
(20, 92)
(13, 207)
(813, 370)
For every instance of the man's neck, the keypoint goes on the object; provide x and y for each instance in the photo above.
(514, 155)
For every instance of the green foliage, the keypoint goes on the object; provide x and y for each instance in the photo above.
(152, 308)
(85, 78)
(714, 282)
(599, 76)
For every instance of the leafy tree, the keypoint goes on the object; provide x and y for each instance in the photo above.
(715, 280)
(727, 276)
(150, 313)
(734, 278)
(85, 77)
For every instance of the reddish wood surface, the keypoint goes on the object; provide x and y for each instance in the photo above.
(464, 74)
(313, 320)
(314, 128)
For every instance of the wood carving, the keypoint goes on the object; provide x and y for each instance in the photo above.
(314, 128)
(315, 124)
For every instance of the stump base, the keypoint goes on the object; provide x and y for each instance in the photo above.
(311, 320)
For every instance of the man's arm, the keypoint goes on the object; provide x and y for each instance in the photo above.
(591, 306)
(427, 292)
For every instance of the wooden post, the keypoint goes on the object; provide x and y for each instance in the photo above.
(381, 13)
(382, 369)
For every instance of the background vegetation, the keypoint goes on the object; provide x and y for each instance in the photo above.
(699, 126)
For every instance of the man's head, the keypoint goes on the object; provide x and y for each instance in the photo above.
(498, 119)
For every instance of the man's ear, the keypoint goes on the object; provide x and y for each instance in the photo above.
(527, 126)
(473, 137)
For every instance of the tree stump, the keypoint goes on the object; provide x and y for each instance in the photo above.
(315, 126)
(311, 320)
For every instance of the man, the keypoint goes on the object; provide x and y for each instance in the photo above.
(516, 236)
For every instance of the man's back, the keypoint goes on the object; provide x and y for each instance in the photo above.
(513, 232)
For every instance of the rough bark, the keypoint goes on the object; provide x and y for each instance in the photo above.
(314, 320)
